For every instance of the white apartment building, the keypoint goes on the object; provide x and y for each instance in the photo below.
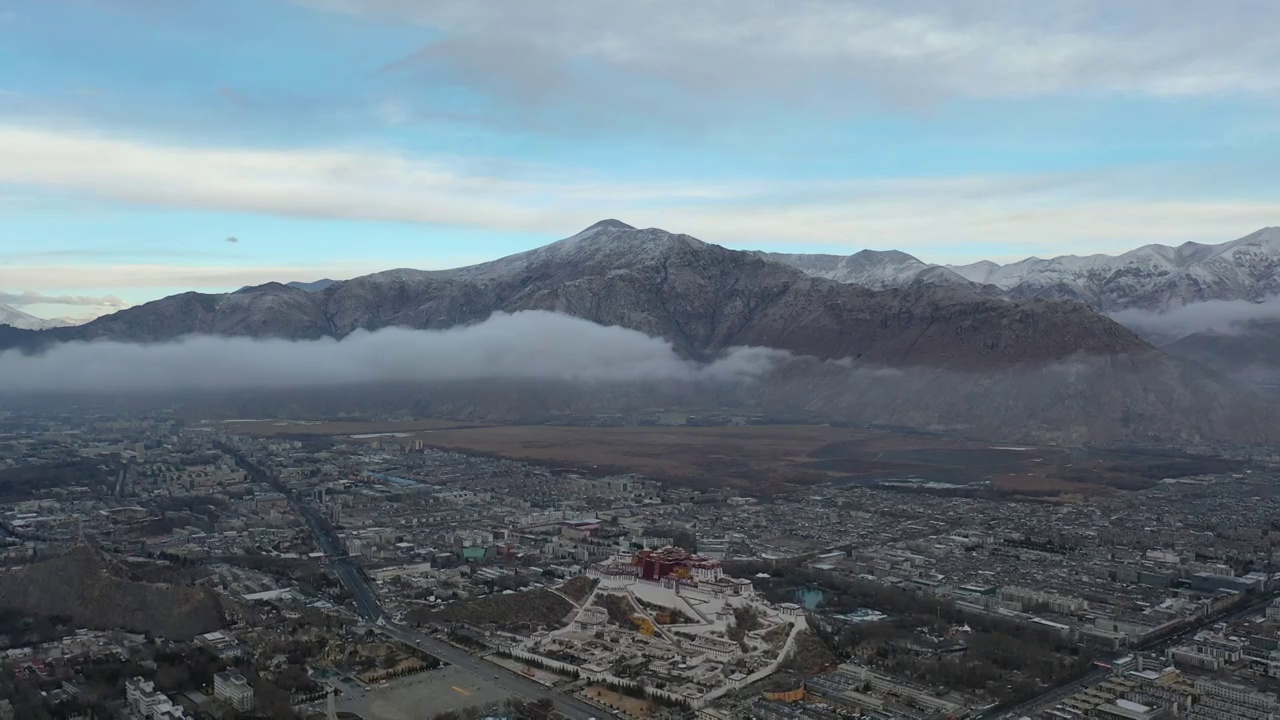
(234, 689)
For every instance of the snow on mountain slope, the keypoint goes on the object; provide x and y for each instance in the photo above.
(873, 269)
(14, 317)
(1158, 278)
(1034, 270)
(979, 272)
(611, 240)
(606, 243)
(1152, 277)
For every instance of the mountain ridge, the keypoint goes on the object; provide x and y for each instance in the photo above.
(1152, 277)
(875, 269)
(954, 356)
(701, 297)
(1132, 287)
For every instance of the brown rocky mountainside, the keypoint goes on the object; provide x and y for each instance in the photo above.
(1251, 350)
(927, 355)
(701, 297)
(85, 586)
(1144, 398)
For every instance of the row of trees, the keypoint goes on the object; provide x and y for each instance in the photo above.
(541, 709)
(641, 692)
(1002, 656)
(745, 619)
(541, 665)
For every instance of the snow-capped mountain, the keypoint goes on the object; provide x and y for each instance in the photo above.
(875, 269)
(608, 242)
(14, 317)
(1153, 277)
(1146, 288)
(701, 297)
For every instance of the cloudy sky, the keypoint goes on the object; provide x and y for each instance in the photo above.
(154, 146)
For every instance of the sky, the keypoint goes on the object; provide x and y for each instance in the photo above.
(149, 147)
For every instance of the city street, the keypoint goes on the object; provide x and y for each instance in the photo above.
(369, 608)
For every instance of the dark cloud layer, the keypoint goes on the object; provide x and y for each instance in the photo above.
(528, 346)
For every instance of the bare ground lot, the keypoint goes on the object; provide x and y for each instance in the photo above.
(629, 706)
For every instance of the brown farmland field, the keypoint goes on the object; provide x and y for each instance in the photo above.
(282, 428)
(768, 459)
(1040, 485)
(765, 458)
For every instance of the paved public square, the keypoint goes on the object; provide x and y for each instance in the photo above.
(425, 695)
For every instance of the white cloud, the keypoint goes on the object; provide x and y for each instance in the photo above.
(909, 51)
(937, 218)
(323, 183)
(530, 345)
(31, 297)
(1221, 317)
(943, 228)
(200, 277)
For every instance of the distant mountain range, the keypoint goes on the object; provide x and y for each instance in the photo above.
(313, 286)
(1156, 279)
(917, 344)
(14, 317)
(1153, 277)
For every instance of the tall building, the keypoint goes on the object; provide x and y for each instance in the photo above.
(146, 703)
(676, 563)
(1273, 611)
(234, 689)
(142, 696)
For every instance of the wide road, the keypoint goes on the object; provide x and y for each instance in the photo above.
(366, 601)
(367, 604)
